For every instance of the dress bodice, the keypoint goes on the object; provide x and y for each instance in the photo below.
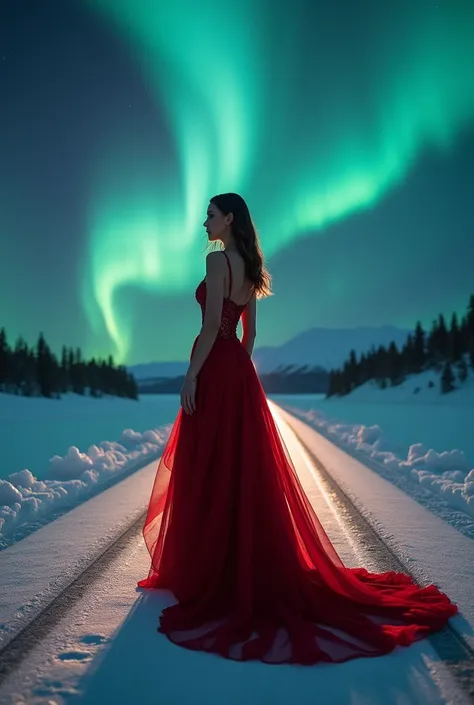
(231, 311)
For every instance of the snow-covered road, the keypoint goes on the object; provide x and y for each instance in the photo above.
(106, 647)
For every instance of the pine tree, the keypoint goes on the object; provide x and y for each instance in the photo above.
(132, 387)
(443, 338)
(346, 379)
(470, 351)
(470, 330)
(432, 345)
(93, 379)
(381, 367)
(64, 370)
(470, 316)
(5, 354)
(419, 348)
(464, 333)
(77, 373)
(353, 370)
(23, 369)
(407, 354)
(395, 364)
(447, 379)
(363, 372)
(42, 366)
(455, 340)
(332, 384)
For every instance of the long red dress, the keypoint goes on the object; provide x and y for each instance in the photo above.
(232, 534)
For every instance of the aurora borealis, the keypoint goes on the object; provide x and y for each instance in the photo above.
(348, 127)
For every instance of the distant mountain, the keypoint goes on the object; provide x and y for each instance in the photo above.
(322, 347)
(326, 347)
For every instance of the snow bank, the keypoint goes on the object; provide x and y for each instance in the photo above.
(447, 474)
(73, 478)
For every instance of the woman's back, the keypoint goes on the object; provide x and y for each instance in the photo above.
(242, 287)
(239, 289)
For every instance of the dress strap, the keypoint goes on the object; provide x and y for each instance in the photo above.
(230, 274)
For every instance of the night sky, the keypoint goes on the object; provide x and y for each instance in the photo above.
(347, 126)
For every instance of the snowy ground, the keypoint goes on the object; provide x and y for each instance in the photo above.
(57, 454)
(35, 430)
(106, 647)
(55, 526)
(421, 442)
(439, 421)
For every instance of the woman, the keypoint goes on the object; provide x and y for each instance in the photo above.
(229, 528)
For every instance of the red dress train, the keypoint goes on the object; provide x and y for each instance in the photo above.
(232, 534)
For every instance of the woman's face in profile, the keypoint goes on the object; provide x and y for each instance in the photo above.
(215, 223)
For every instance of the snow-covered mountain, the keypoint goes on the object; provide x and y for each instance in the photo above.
(322, 347)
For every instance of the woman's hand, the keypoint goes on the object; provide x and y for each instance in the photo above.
(188, 395)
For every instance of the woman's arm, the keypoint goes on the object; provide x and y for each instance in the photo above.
(249, 324)
(215, 273)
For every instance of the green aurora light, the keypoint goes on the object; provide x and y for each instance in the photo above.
(310, 122)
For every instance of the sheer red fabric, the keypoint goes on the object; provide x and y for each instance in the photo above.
(232, 534)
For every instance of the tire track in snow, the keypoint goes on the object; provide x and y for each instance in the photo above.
(16, 650)
(450, 646)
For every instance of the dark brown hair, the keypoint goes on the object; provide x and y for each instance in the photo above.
(246, 240)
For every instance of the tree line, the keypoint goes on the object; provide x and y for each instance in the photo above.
(36, 371)
(448, 349)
